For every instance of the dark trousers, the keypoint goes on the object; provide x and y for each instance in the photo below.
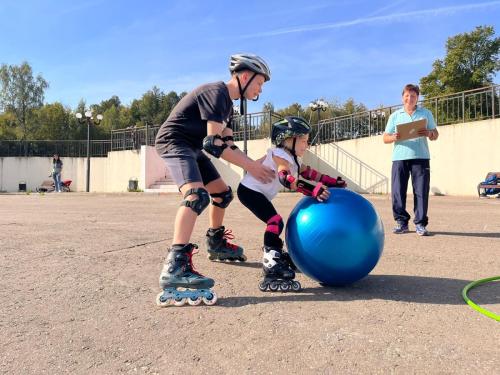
(419, 170)
(263, 209)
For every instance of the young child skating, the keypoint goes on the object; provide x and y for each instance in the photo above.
(290, 136)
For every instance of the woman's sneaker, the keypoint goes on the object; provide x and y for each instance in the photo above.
(400, 228)
(421, 230)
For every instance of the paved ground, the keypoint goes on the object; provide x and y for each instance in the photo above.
(79, 276)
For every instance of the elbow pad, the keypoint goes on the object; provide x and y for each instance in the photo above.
(210, 146)
(309, 189)
(286, 179)
(311, 174)
(230, 138)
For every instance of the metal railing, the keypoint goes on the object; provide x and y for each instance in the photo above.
(366, 178)
(466, 106)
(65, 148)
(132, 138)
(258, 125)
(472, 105)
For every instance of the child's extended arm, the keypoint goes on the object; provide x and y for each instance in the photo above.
(313, 175)
(317, 191)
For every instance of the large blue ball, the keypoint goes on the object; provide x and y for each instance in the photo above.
(336, 242)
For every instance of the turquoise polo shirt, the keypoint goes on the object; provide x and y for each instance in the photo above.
(416, 148)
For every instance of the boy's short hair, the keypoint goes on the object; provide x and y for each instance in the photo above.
(411, 87)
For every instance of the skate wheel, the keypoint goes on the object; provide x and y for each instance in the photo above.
(285, 287)
(296, 286)
(212, 257)
(263, 286)
(210, 301)
(180, 302)
(195, 301)
(274, 286)
(242, 258)
(162, 303)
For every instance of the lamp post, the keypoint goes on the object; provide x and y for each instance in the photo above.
(89, 119)
(318, 105)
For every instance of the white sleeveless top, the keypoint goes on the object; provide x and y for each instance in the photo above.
(272, 188)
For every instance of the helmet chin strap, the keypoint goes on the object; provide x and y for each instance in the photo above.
(242, 90)
(294, 154)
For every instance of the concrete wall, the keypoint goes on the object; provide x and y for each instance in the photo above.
(153, 167)
(460, 158)
(109, 174)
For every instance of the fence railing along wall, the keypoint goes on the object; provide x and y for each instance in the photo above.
(258, 127)
(65, 148)
(466, 106)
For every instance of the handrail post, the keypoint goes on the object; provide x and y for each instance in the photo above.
(437, 112)
(493, 102)
(369, 123)
(463, 107)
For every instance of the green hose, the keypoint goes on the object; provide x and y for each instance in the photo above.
(471, 303)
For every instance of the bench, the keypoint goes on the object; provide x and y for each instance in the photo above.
(481, 187)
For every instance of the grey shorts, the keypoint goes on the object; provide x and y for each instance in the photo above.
(189, 165)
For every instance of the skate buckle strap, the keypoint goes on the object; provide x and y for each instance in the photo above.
(228, 235)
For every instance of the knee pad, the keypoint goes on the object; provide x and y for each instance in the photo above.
(275, 225)
(199, 204)
(226, 197)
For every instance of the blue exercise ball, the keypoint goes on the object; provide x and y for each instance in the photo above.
(336, 242)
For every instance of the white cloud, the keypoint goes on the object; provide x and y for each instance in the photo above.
(395, 17)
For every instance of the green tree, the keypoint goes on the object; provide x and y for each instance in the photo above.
(8, 126)
(292, 110)
(21, 93)
(471, 62)
(52, 121)
(268, 107)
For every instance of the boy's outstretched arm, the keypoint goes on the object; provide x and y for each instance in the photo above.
(215, 145)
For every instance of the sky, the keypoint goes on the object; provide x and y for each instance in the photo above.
(366, 50)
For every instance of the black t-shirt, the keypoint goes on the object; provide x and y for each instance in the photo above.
(187, 123)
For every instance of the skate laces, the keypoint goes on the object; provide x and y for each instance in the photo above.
(228, 235)
(190, 260)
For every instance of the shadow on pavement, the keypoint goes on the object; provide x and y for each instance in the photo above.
(415, 289)
(485, 235)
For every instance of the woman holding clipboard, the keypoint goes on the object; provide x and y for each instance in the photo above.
(408, 128)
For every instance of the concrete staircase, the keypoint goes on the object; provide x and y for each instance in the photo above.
(164, 185)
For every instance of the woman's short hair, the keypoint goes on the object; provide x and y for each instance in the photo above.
(411, 87)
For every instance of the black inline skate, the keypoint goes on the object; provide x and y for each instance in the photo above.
(278, 271)
(178, 272)
(219, 249)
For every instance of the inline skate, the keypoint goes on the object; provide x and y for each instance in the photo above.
(178, 272)
(278, 271)
(219, 249)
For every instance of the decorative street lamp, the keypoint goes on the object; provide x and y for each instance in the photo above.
(318, 105)
(89, 119)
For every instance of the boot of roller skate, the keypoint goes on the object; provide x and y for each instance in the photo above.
(277, 271)
(181, 283)
(220, 249)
